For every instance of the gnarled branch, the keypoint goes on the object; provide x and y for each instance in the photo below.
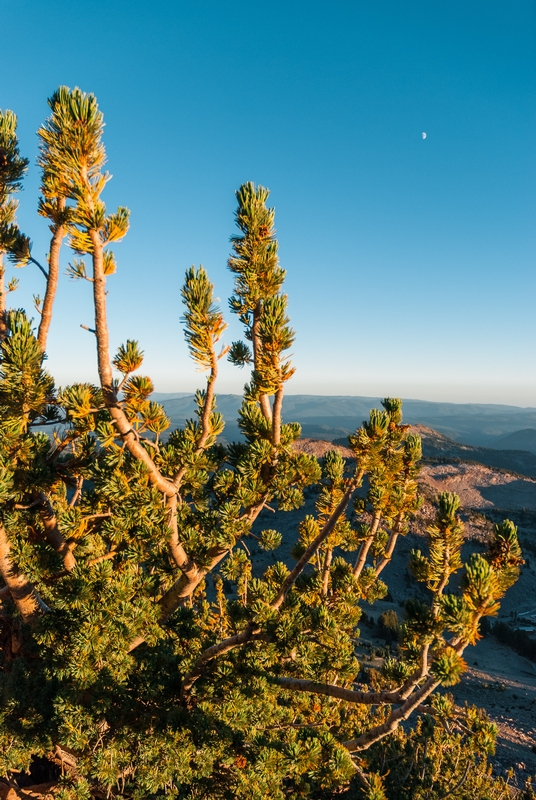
(24, 594)
(250, 633)
(52, 532)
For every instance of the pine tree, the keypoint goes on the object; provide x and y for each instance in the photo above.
(66, 137)
(12, 169)
(142, 653)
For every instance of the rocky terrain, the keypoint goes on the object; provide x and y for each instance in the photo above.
(437, 446)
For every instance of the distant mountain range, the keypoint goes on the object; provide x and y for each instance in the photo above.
(519, 440)
(324, 417)
(437, 447)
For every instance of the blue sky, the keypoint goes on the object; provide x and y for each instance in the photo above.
(410, 262)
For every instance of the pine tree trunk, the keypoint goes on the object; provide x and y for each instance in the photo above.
(22, 591)
(3, 320)
(52, 284)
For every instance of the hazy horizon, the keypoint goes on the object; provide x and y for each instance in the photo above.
(373, 397)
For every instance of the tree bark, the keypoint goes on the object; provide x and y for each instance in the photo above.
(394, 719)
(328, 556)
(3, 320)
(276, 417)
(264, 400)
(339, 692)
(52, 281)
(53, 534)
(120, 419)
(250, 632)
(25, 597)
(205, 418)
(365, 546)
(192, 575)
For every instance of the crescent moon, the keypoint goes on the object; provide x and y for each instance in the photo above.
(423, 135)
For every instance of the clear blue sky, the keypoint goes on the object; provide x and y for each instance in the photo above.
(411, 262)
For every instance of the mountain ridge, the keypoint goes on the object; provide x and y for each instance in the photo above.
(332, 417)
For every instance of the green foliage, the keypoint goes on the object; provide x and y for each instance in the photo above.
(270, 540)
(12, 169)
(389, 625)
(12, 165)
(444, 755)
(258, 301)
(129, 357)
(446, 539)
(203, 320)
(25, 388)
(144, 650)
(448, 667)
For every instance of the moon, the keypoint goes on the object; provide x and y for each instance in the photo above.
(423, 135)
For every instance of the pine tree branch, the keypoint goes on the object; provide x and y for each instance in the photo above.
(411, 704)
(193, 574)
(178, 553)
(106, 557)
(191, 577)
(3, 308)
(52, 532)
(250, 633)
(52, 279)
(77, 492)
(264, 400)
(317, 541)
(416, 677)
(276, 416)
(119, 417)
(361, 559)
(340, 693)
(394, 719)
(444, 580)
(48, 423)
(328, 556)
(37, 264)
(389, 550)
(458, 785)
(62, 445)
(205, 417)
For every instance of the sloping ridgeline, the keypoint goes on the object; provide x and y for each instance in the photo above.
(470, 432)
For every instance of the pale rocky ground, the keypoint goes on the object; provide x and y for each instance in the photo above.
(481, 488)
(497, 679)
